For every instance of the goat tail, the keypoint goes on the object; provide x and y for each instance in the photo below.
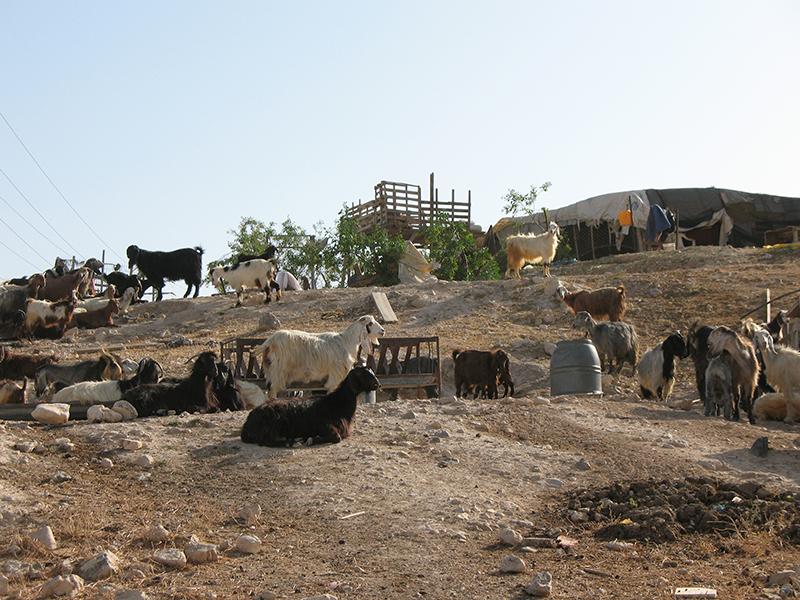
(199, 250)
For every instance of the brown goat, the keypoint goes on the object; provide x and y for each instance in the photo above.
(11, 392)
(481, 369)
(61, 288)
(744, 369)
(19, 366)
(96, 318)
(605, 302)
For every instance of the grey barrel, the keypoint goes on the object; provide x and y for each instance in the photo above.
(575, 368)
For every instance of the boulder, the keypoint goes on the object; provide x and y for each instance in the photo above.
(61, 587)
(197, 552)
(126, 409)
(102, 566)
(56, 413)
(170, 557)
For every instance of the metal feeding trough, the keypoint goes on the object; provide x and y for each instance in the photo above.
(575, 368)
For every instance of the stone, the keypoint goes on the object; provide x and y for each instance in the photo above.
(105, 463)
(61, 586)
(157, 533)
(541, 585)
(56, 413)
(549, 348)
(583, 465)
(97, 413)
(577, 516)
(782, 577)
(24, 446)
(248, 544)
(268, 321)
(267, 595)
(170, 557)
(510, 537)
(130, 595)
(63, 445)
(693, 592)
(249, 514)
(409, 415)
(442, 433)
(198, 552)
(512, 564)
(540, 401)
(556, 483)
(131, 444)
(760, 447)
(126, 409)
(44, 536)
(60, 477)
(102, 566)
(619, 546)
(144, 460)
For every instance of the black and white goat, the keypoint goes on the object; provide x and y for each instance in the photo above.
(657, 367)
(257, 273)
(192, 394)
(185, 263)
(324, 419)
(95, 392)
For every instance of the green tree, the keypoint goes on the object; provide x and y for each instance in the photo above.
(516, 202)
(453, 247)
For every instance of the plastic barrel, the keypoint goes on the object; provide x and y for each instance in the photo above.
(575, 368)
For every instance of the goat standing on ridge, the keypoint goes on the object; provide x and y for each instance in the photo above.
(532, 249)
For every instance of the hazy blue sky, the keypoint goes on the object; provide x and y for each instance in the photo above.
(165, 122)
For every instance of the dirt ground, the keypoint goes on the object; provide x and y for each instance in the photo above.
(410, 506)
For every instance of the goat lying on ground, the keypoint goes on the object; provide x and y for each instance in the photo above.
(533, 249)
(227, 390)
(185, 263)
(14, 298)
(94, 392)
(14, 365)
(11, 393)
(614, 341)
(48, 319)
(122, 282)
(193, 394)
(744, 367)
(783, 372)
(98, 302)
(657, 367)
(289, 355)
(104, 367)
(719, 392)
(256, 273)
(481, 369)
(61, 288)
(605, 302)
(96, 318)
(770, 407)
(325, 419)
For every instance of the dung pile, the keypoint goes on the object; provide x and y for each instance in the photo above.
(660, 511)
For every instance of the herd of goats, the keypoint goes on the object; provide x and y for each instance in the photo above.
(734, 370)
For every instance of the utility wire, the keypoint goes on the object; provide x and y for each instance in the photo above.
(10, 249)
(24, 241)
(24, 197)
(56, 188)
(36, 229)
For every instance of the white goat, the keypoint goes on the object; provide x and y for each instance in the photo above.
(95, 392)
(770, 407)
(783, 371)
(255, 273)
(533, 249)
(290, 355)
(93, 304)
(252, 395)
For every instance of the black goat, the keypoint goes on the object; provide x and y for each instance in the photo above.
(105, 367)
(122, 282)
(185, 263)
(482, 369)
(324, 419)
(268, 254)
(697, 346)
(14, 365)
(193, 394)
(227, 391)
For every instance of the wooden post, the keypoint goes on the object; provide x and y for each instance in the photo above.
(576, 235)
(430, 190)
(452, 205)
(591, 240)
(768, 307)
(469, 209)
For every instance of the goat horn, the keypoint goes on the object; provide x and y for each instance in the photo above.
(191, 358)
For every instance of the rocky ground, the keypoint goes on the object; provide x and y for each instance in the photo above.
(614, 497)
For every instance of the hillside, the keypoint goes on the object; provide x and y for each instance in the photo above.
(410, 506)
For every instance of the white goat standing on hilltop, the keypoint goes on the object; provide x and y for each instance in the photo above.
(254, 273)
(783, 371)
(530, 248)
(291, 355)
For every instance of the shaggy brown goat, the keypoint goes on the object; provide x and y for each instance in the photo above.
(19, 366)
(60, 288)
(96, 318)
(744, 367)
(11, 392)
(481, 369)
(605, 302)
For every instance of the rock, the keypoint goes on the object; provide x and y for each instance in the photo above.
(60, 477)
(102, 566)
(170, 557)
(248, 544)
(130, 595)
(61, 587)
(105, 463)
(126, 409)
(409, 415)
(760, 447)
(549, 348)
(512, 564)
(510, 537)
(178, 341)
(56, 413)
(540, 542)
(44, 536)
(131, 444)
(63, 445)
(577, 516)
(24, 446)
(442, 433)
(540, 401)
(619, 546)
(156, 533)
(267, 595)
(541, 585)
(97, 413)
(144, 460)
(268, 321)
(197, 552)
(552, 286)
(692, 592)
(556, 483)
(583, 465)
(250, 514)
(782, 578)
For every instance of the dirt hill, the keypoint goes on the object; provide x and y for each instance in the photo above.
(411, 505)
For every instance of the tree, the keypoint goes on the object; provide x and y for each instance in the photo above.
(453, 247)
(523, 203)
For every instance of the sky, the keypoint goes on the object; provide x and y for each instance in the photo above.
(164, 123)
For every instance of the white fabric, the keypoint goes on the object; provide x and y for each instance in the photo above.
(287, 281)
(726, 226)
(413, 267)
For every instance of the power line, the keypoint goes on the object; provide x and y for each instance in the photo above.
(24, 197)
(36, 229)
(24, 241)
(10, 249)
(56, 188)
